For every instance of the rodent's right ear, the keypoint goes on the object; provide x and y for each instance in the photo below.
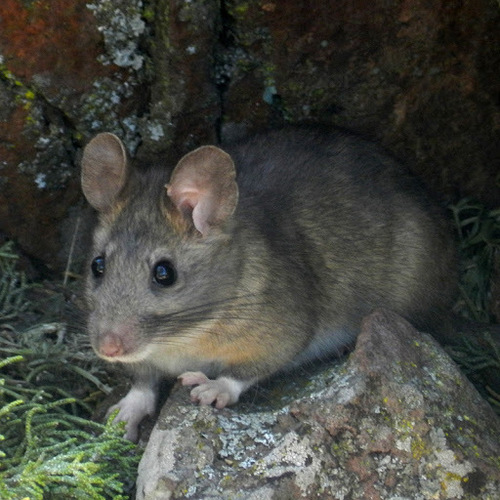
(104, 170)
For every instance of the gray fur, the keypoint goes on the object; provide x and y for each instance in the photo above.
(326, 228)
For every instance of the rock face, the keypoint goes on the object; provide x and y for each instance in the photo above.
(168, 75)
(396, 420)
(411, 74)
(58, 86)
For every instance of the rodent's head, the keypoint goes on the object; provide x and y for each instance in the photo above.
(160, 255)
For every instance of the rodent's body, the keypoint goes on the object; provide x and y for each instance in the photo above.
(317, 230)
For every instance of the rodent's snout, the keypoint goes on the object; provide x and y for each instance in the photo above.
(117, 342)
(111, 346)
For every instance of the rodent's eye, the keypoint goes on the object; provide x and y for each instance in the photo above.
(98, 266)
(164, 273)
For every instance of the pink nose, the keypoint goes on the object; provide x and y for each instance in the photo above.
(111, 346)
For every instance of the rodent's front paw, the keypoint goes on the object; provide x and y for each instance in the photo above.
(193, 378)
(222, 391)
(137, 404)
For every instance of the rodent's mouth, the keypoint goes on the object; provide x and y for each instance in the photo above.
(116, 352)
(118, 341)
(131, 357)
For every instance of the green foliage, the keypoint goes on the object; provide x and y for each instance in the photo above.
(55, 361)
(479, 232)
(477, 359)
(48, 450)
(12, 285)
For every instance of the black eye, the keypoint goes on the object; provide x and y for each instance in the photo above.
(164, 273)
(98, 266)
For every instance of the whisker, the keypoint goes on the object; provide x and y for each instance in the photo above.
(171, 329)
(226, 309)
(206, 317)
(228, 305)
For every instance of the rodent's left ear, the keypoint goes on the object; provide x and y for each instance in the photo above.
(104, 170)
(203, 188)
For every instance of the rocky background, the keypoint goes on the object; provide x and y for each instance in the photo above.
(420, 77)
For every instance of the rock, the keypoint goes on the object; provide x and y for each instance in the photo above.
(418, 77)
(60, 88)
(185, 105)
(169, 75)
(395, 420)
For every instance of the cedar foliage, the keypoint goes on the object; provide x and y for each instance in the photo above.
(49, 449)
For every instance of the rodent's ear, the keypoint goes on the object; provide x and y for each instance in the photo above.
(104, 170)
(203, 187)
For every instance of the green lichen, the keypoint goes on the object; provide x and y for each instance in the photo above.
(23, 95)
(419, 448)
(148, 14)
(240, 10)
(343, 447)
(9, 77)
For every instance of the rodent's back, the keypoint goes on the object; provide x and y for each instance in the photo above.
(363, 229)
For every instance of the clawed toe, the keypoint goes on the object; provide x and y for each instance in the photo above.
(208, 393)
(222, 391)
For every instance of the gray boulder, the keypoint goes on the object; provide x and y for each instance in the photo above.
(396, 420)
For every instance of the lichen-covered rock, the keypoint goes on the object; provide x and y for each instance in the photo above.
(395, 420)
(60, 89)
(184, 104)
(71, 69)
(420, 77)
(169, 75)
